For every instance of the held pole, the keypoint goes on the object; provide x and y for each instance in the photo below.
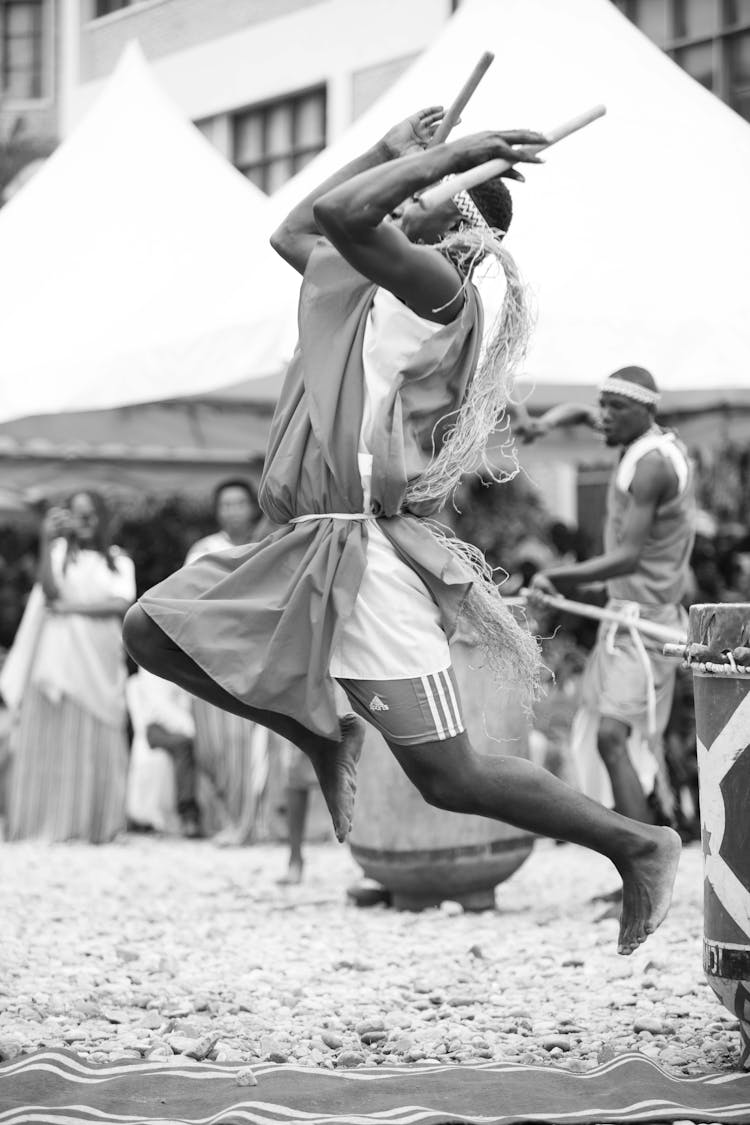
(598, 613)
(440, 193)
(458, 105)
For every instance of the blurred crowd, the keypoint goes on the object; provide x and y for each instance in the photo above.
(91, 747)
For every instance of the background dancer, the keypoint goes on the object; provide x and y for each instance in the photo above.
(628, 684)
(383, 408)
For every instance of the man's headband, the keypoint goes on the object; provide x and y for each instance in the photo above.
(469, 211)
(615, 386)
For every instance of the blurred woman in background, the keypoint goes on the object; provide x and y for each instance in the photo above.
(65, 677)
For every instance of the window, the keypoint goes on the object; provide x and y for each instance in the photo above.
(737, 11)
(106, 7)
(710, 39)
(274, 141)
(739, 73)
(694, 18)
(22, 41)
(652, 16)
(698, 61)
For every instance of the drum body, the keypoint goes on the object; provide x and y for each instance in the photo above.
(424, 855)
(722, 720)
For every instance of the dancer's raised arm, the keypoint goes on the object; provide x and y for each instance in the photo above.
(563, 414)
(397, 255)
(298, 233)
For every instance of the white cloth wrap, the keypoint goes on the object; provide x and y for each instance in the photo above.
(394, 631)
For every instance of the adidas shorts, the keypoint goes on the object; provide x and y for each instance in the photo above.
(409, 712)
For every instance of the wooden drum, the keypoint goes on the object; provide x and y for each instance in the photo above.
(423, 855)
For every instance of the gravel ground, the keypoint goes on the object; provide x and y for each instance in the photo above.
(149, 948)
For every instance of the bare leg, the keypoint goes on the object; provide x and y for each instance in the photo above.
(629, 798)
(335, 763)
(450, 775)
(296, 818)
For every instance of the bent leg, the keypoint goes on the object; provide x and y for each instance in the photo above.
(612, 744)
(153, 650)
(451, 775)
(334, 763)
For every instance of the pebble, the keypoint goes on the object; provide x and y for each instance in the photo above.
(332, 1041)
(154, 973)
(556, 1043)
(245, 1077)
(350, 1058)
(656, 1027)
(182, 1044)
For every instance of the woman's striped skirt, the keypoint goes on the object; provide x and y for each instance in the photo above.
(68, 773)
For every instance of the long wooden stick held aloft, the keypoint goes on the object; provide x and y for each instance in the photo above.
(464, 180)
(456, 108)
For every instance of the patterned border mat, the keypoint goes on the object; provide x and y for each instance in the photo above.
(59, 1088)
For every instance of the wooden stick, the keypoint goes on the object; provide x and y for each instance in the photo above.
(649, 629)
(458, 105)
(445, 190)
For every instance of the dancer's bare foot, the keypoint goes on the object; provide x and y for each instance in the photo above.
(293, 876)
(337, 774)
(233, 836)
(647, 881)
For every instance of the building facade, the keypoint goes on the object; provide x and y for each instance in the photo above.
(271, 82)
(710, 39)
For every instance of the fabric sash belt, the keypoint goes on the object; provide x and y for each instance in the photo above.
(631, 612)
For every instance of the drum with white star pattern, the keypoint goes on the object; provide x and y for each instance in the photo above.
(718, 634)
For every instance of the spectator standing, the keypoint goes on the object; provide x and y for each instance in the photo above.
(230, 751)
(162, 763)
(65, 677)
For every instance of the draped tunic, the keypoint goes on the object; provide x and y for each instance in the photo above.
(262, 619)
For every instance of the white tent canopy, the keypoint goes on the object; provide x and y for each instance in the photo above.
(136, 265)
(635, 236)
(132, 263)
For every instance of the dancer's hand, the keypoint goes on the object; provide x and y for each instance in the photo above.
(529, 429)
(540, 587)
(414, 133)
(505, 144)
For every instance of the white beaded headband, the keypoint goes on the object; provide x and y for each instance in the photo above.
(626, 389)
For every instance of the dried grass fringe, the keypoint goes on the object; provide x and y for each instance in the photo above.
(509, 650)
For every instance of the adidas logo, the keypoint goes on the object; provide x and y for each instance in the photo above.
(378, 704)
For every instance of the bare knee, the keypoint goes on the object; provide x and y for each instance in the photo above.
(438, 791)
(139, 636)
(440, 787)
(612, 740)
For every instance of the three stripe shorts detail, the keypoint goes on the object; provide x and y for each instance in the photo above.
(409, 712)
